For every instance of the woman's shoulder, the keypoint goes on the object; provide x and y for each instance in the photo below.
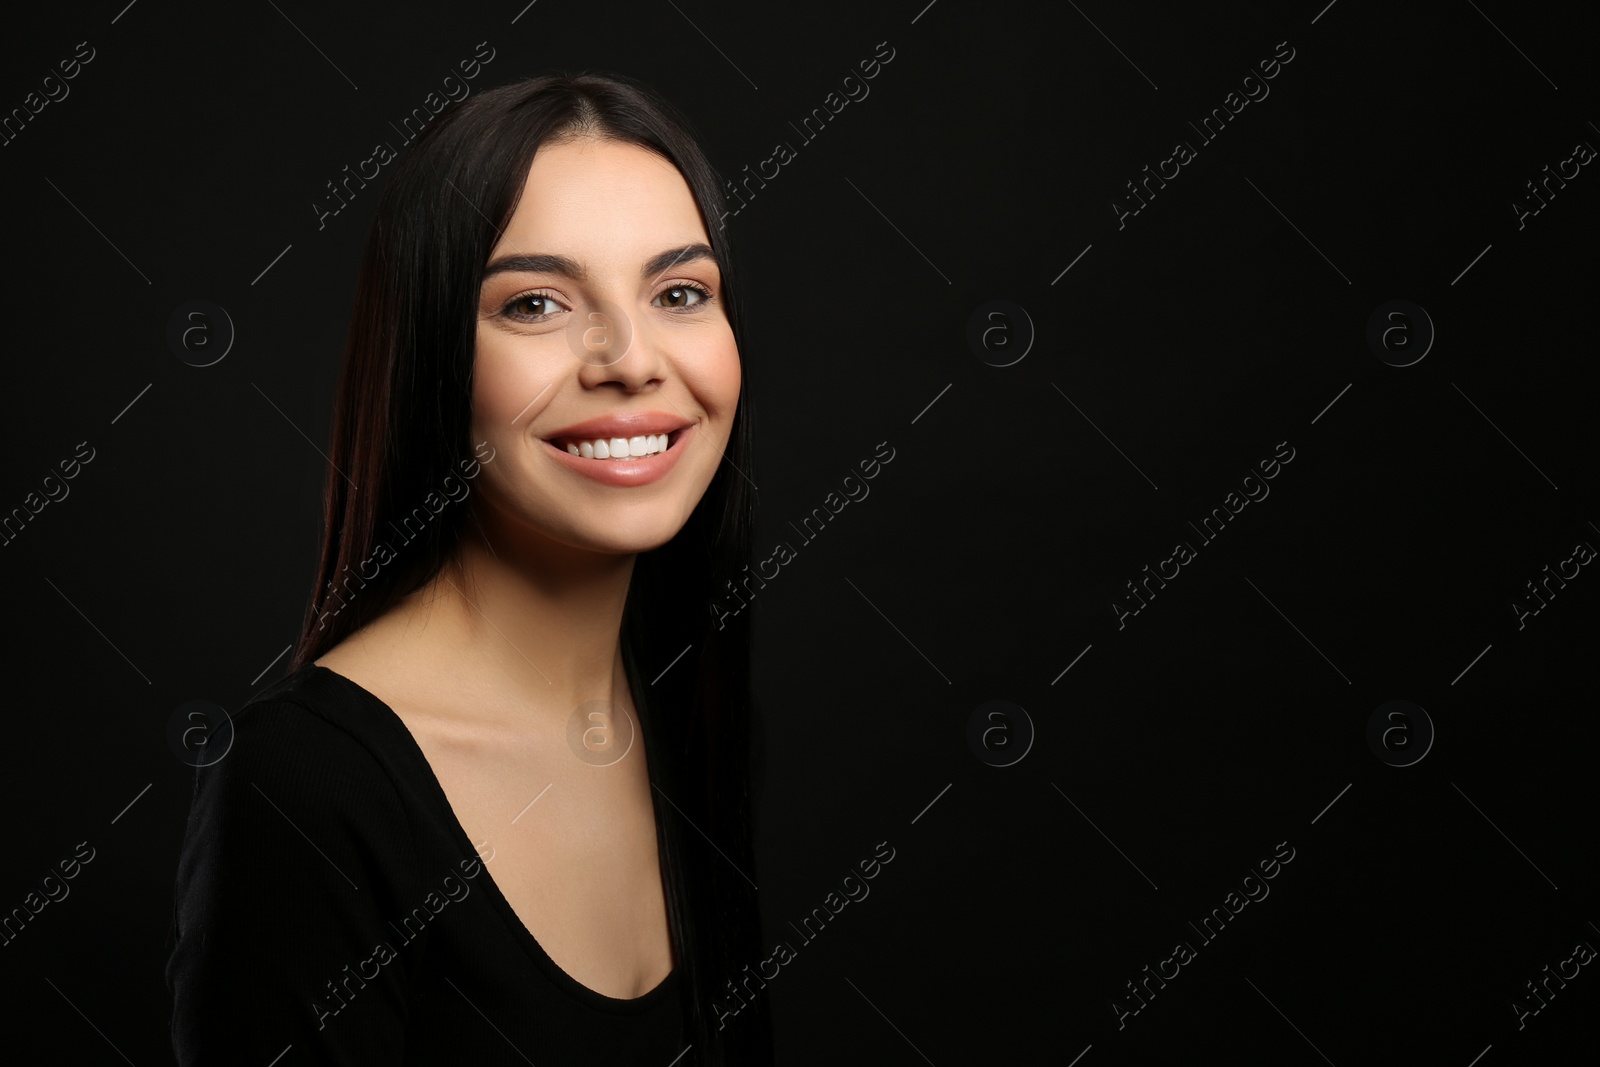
(301, 837)
(313, 735)
(311, 687)
(303, 761)
(313, 701)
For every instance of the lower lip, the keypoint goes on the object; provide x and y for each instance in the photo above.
(625, 473)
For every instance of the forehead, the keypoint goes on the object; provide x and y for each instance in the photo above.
(599, 199)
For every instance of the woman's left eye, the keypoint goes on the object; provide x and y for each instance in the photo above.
(677, 297)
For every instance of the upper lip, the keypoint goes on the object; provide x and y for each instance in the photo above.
(636, 424)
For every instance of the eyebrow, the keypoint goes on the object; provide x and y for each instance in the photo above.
(567, 267)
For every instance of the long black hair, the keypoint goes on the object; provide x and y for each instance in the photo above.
(401, 426)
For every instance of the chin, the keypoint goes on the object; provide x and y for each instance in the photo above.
(624, 537)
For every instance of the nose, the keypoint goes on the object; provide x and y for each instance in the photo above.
(613, 346)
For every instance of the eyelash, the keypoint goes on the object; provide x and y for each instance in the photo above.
(706, 298)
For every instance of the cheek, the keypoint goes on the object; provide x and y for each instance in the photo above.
(502, 384)
(735, 372)
(717, 374)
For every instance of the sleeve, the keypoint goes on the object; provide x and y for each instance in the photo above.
(297, 848)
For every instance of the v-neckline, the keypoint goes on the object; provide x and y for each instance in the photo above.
(424, 773)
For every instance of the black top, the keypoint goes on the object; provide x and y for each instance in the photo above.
(329, 903)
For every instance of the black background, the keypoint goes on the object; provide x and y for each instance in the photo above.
(1178, 350)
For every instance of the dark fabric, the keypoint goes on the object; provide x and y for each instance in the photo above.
(330, 904)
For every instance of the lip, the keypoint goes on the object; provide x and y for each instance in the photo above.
(625, 473)
(636, 424)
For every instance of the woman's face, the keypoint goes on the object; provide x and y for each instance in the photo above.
(594, 325)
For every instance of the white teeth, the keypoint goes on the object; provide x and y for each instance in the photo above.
(619, 447)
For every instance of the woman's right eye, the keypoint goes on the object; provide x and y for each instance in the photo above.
(532, 307)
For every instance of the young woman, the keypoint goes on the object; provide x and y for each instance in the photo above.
(497, 811)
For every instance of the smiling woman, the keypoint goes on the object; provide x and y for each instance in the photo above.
(540, 277)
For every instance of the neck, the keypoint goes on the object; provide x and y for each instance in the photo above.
(526, 622)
